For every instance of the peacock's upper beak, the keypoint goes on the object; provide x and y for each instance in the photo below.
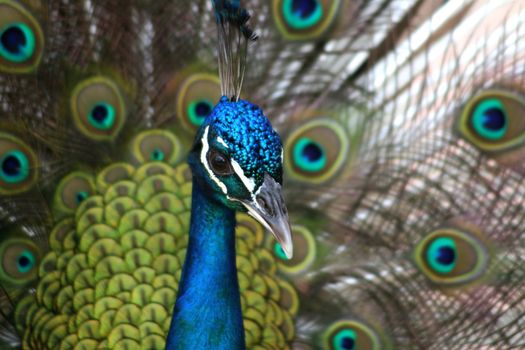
(269, 209)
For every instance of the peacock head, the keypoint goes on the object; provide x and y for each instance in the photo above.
(237, 160)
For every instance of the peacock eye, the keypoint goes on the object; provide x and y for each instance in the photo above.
(305, 19)
(449, 256)
(25, 261)
(310, 155)
(441, 255)
(18, 165)
(71, 191)
(19, 259)
(99, 110)
(198, 110)
(195, 98)
(301, 14)
(21, 39)
(220, 164)
(156, 146)
(351, 335)
(14, 167)
(493, 122)
(316, 151)
(17, 42)
(102, 116)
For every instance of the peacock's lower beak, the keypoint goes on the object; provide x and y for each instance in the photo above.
(269, 209)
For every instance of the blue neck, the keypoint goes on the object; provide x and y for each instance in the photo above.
(207, 312)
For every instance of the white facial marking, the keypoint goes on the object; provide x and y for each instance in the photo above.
(204, 161)
(282, 155)
(248, 182)
(221, 141)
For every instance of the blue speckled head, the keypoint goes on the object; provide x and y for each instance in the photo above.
(240, 136)
(251, 141)
(237, 160)
(250, 137)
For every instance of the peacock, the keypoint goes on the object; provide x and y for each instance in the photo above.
(363, 190)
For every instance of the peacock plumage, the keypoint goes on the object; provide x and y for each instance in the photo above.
(402, 141)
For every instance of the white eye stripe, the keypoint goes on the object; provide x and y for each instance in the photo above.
(204, 161)
(221, 141)
(249, 183)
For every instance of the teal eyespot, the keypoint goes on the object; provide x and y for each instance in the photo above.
(156, 146)
(351, 335)
(195, 96)
(21, 39)
(199, 110)
(98, 108)
(19, 258)
(25, 261)
(14, 167)
(345, 339)
(102, 116)
(302, 14)
(18, 165)
(17, 42)
(81, 196)
(441, 255)
(279, 252)
(305, 19)
(450, 256)
(71, 192)
(493, 122)
(157, 154)
(309, 155)
(489, 119)
(316, 151)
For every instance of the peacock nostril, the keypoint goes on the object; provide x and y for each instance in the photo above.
(263, 203)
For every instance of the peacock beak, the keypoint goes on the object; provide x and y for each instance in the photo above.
(269, 209)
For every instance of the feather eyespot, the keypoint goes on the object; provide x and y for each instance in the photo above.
(195, 98)
(219, 163)
(316, 151)
(21, 39)
(20, 259)
(309, 155)
(305, 251)
(98, 107)
(351, 335)
(304, 19)
(17, 42)
(493, 122)
(157, 146)
(14, 166)
(449, 256)
(18, 164)
(102, 116)
(198, 110)
(72, 190)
